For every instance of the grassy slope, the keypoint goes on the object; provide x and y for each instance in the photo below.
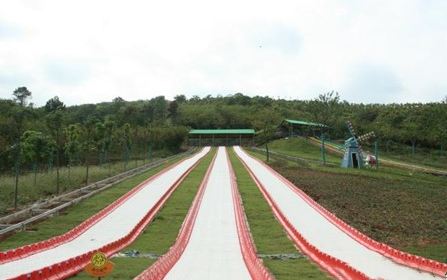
(298, 147)
(404, 209)
(268, 234)
(161, 233)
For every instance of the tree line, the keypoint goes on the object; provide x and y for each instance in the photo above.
(57, 134)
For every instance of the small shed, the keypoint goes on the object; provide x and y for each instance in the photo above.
(290, 128)
(221, 137)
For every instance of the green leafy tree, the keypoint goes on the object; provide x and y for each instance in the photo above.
(55, 121)
(73, 145)
(88, 144)
(36, 148)
(21, 96)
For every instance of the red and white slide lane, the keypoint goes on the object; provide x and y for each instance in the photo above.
(113, 230)
(214, 242)
(340, 249)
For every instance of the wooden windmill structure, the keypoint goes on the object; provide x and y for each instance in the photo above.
(354, 156)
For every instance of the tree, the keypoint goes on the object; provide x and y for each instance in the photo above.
(159, 108)
(21, 96)
(109, 126)
(126, 142)
(55, 120)
(88, 145)
(180, 98)
(173, 111)
(325, 109)
(73, 145)
(36, 148)
(54, 104)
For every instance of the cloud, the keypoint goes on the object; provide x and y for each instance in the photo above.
(138, 49)
(69, 73)
(372, 83)
(9, 31)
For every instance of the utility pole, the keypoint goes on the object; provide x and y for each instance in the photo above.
(323, 149)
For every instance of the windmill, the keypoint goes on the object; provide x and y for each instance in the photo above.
(354, 155)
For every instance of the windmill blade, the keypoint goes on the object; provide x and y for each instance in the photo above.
(366, 136)
(351, 129)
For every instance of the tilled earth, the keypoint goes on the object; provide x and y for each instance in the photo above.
(409, 215)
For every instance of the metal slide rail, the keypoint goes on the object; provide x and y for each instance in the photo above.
(403, 258)
(45, 209)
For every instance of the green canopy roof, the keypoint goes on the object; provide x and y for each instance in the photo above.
(222, 131)
(304, 123)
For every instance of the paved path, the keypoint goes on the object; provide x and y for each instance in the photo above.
(112, 227)
(325, 235)
(213, 251)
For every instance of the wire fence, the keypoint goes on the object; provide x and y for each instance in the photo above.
(36, 182)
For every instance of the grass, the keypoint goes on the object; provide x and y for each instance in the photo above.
(399, 207)
(76, 214)
(302, 148)
(70, 179)
(162, 232)
(268, 234)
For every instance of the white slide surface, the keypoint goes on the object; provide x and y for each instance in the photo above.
(112, 227)
(326, 236)
(213, 251)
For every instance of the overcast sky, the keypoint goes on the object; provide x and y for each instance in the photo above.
(85, 51)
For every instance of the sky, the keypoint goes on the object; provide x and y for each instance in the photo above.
(370, 51)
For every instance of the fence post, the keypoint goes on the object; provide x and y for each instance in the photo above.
(323, 149)
(267, 151)
(376, 153)
(17, 171)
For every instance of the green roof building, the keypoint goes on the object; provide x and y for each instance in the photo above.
(221, 137)
(290, 128)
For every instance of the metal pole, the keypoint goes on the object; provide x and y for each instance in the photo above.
(17, 171)
(267, 151)
(376, 153)
(323, 150)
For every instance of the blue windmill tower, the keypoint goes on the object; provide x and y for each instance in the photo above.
(354, 156)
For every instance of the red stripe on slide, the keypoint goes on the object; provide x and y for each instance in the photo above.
(255, 265)
(164, 264)
(73, 265)
(397, 256)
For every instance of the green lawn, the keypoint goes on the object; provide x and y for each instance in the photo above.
(268, 234)
(402, 208)
(161, 233)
